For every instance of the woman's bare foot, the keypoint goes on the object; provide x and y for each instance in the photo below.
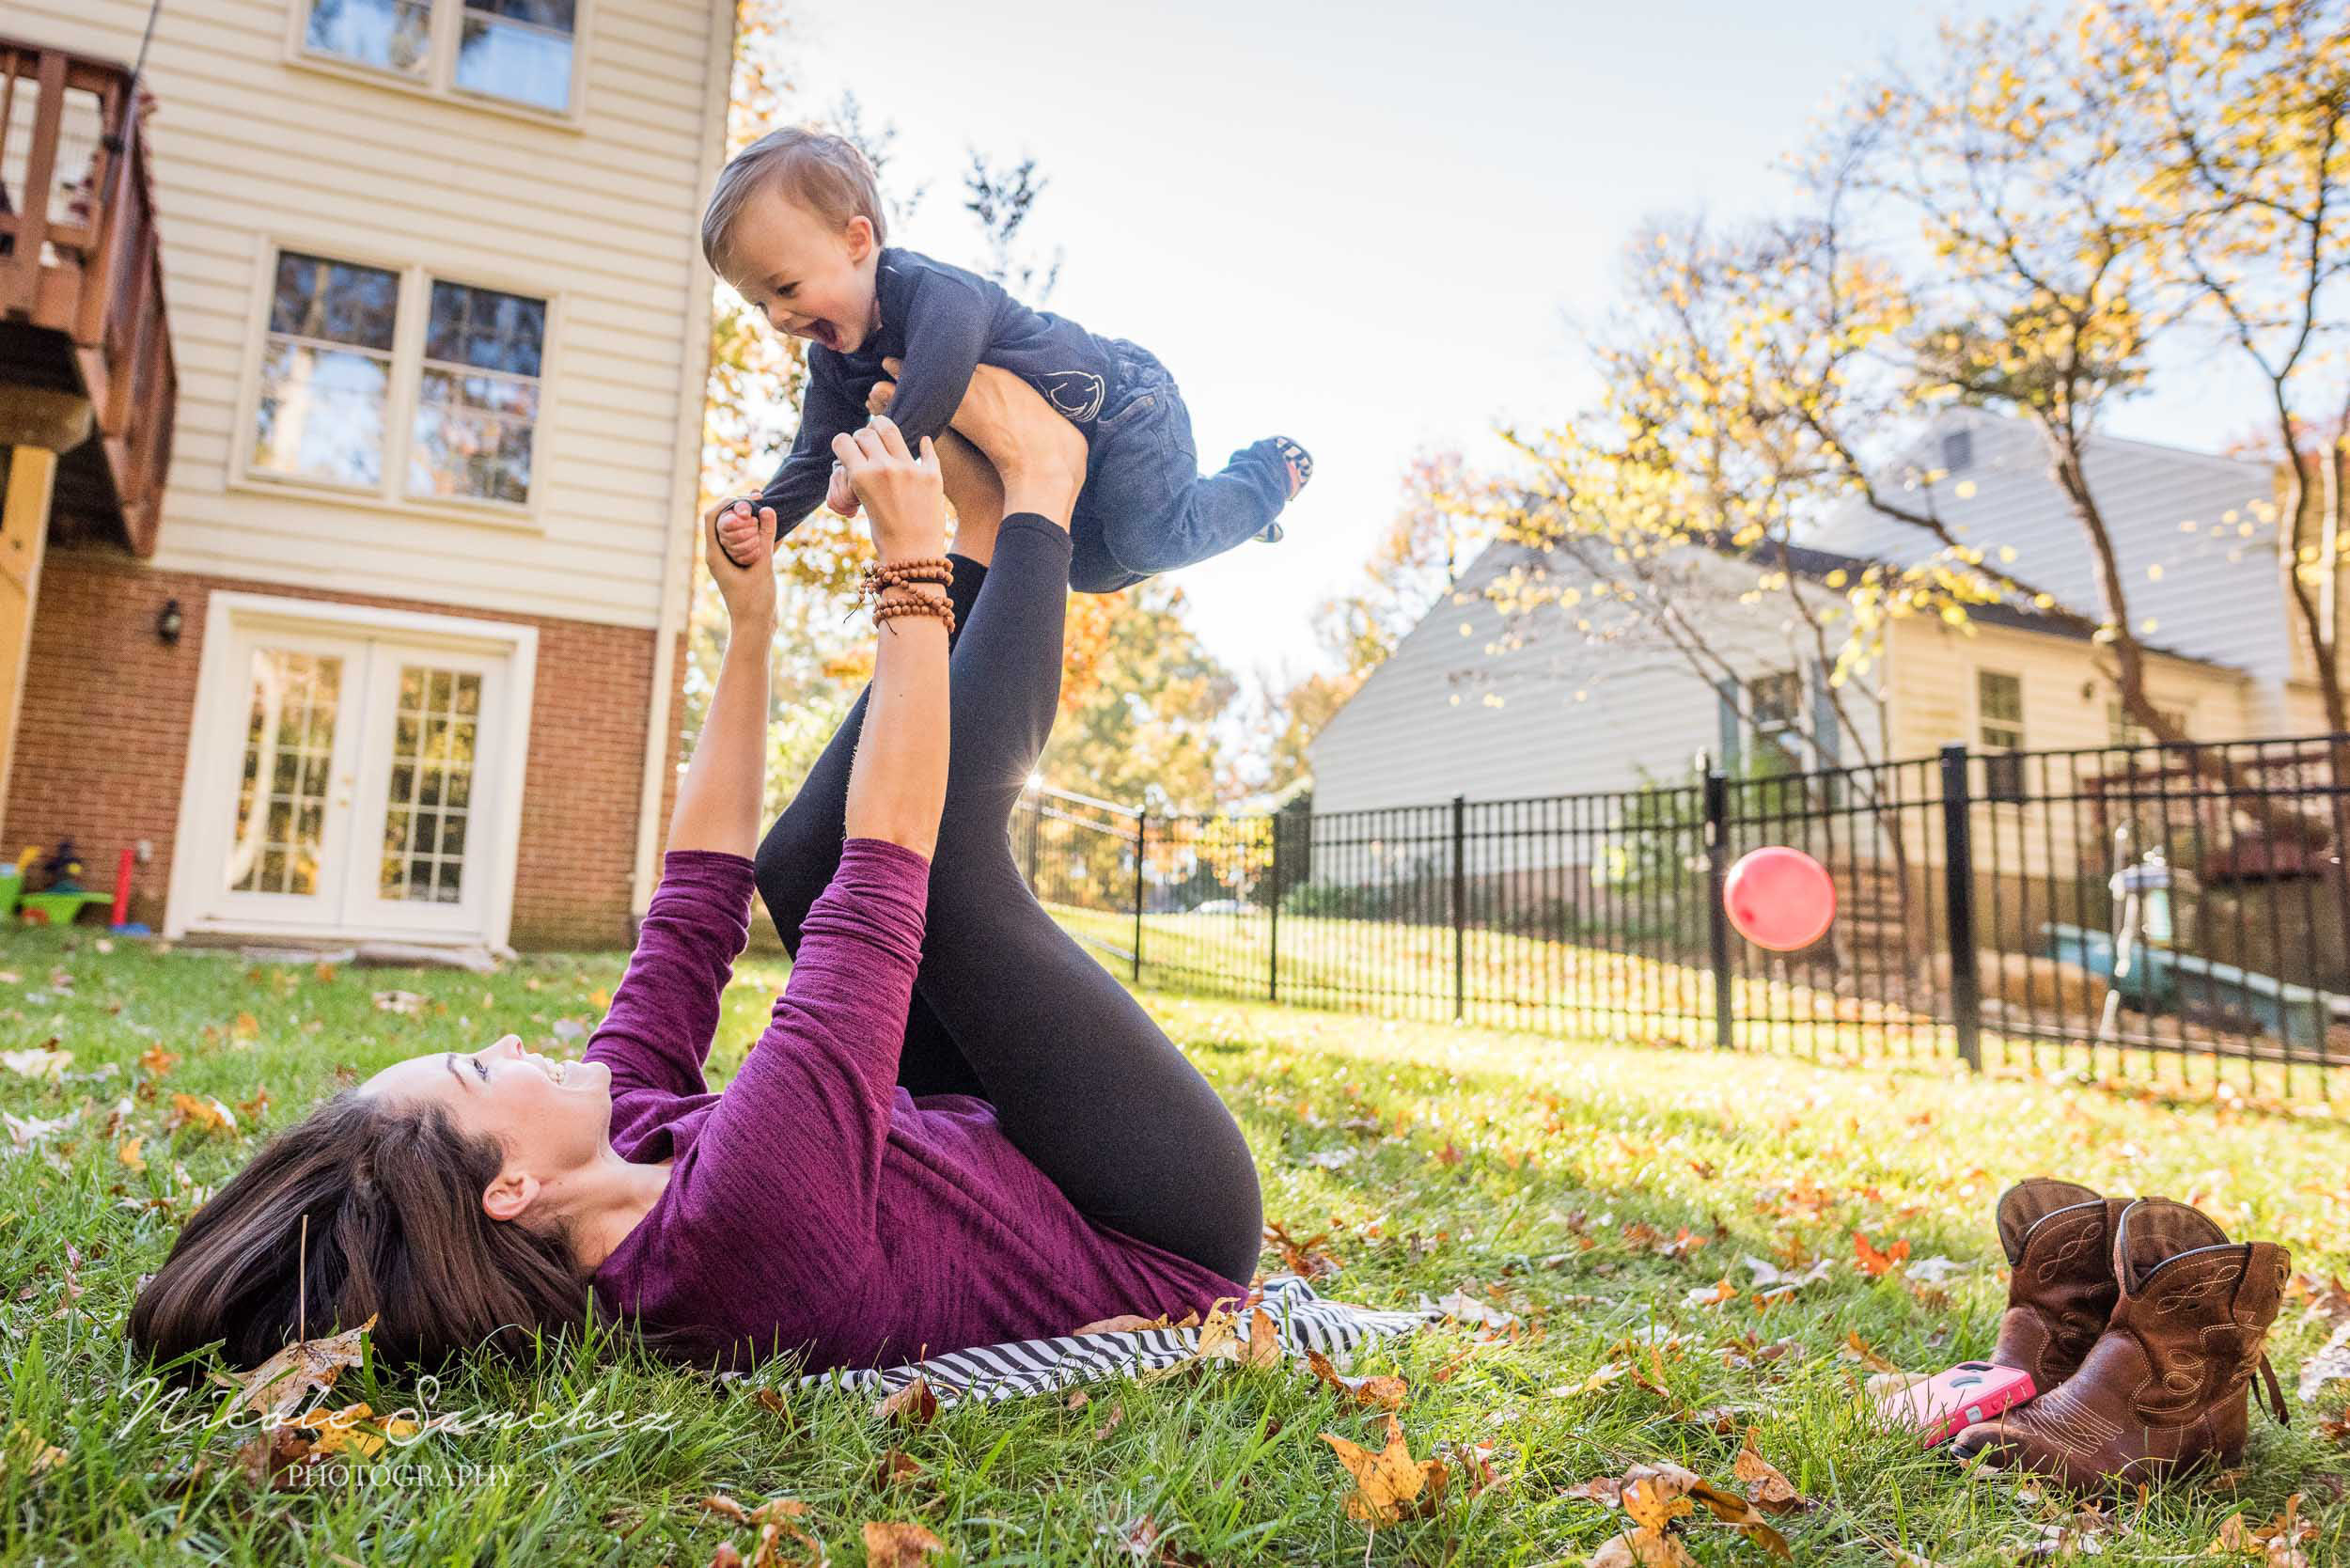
(1038, 454)
(976, 491)
(1039, 457)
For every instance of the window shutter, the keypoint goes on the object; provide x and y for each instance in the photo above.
(1826, 738)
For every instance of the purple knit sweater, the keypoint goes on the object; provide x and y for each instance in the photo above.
(814, 1205)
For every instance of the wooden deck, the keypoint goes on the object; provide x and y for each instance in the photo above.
(81, 284)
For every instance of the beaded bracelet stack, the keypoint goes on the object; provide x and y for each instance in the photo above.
(900, 577)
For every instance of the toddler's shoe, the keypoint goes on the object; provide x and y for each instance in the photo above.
(1301, 466)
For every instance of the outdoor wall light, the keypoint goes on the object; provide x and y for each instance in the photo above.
(169, 621)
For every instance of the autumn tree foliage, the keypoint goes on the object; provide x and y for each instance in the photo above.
(2019, 226)
(1139, 693)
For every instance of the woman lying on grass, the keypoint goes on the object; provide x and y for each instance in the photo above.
(814, 1204)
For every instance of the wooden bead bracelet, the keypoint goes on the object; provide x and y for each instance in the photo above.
(914, 603)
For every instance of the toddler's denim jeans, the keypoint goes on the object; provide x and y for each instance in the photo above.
(1145, 507)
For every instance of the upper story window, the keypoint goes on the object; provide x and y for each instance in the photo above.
(517, 49)
(518, 53)
(1999, 710)
(359, 361)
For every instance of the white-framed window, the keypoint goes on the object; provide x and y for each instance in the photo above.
(1998, 710)
(513, 54)
(397, 385)
(1774, 708)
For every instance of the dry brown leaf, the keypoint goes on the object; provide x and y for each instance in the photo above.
(246, 1027)
(272, 1388)
(265, 1458)
(1390, 1485)
(128, 1152)
(897, 1467)
(1126, 1324)
(353, 1429)
(199, 1111)
(1220, 1338)
(1886, 1387)
(25, 1453)
(778, 1507)
(1376, 1393)
(726, 1556)
(1873, 1264)
(727, 1508)
(894, 1545)
(1769, 1489)
(915, 1404)
(1642, 1547)
(1303, 1258)
(1866, 1353)
(158, 1061)
(2277, 1543)
(1652, 1493)
(1109, 1423)
(1710, 1295)
(1607, 1490)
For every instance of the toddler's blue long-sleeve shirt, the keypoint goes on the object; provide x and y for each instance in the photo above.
(942, 323)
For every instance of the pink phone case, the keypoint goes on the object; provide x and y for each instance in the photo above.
(1949, 1403)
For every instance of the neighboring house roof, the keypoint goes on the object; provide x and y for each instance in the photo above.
(2194, 534)
(2057, 622)
(2209, 593)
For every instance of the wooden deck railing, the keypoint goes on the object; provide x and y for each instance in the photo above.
(79, 259)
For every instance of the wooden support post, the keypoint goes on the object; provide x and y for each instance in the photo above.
(24, 540)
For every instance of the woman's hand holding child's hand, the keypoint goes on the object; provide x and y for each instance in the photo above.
(839, 496)
(901, 491)
(749, 589)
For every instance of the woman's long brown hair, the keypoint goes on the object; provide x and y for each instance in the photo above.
(393, 1197)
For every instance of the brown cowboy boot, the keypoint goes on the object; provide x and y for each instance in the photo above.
(2059, 1238)
(2164, 1390)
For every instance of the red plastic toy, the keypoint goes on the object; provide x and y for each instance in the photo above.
(1779, 898)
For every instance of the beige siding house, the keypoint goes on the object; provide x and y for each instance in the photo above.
(1569, 702)
(400, 656)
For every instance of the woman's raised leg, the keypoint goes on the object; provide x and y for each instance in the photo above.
(802, 850)
(1084, 1083)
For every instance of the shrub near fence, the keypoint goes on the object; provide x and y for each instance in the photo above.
(1980, 897)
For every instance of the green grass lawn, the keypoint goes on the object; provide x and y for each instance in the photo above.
(1594, 1191)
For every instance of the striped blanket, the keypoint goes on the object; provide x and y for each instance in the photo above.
(1306, 1322)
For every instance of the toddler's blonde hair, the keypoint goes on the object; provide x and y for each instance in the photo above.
(821, 171)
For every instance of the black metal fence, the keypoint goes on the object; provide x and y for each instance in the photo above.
(2149, 910)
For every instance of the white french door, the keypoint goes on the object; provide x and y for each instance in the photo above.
(354, 779)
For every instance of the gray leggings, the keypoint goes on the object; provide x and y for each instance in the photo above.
(1008, 1006)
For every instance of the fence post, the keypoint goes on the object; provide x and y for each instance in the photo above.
(1717, 883)
(1272, 932)
(1958, 887)
(1142, 842)
(1036, 831)
(1460, 907)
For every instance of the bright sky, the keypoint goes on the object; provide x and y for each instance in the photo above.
(1369, 227)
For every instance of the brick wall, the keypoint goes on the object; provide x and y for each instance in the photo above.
(102, 745)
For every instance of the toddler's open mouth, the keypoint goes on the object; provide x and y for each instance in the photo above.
(824, 332)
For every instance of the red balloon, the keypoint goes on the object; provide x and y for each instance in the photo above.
(1779, 898)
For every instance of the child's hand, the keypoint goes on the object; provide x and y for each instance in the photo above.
(903, 492)
(840, 496)
(884, 392)
(749, 589)
(716, 513)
